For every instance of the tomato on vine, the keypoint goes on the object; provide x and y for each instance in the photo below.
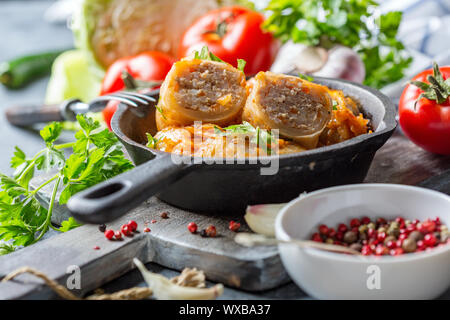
(142, 71)
(232, 33)
(424, 110)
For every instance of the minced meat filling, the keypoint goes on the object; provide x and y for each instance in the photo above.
(289, 104)
(208, 87)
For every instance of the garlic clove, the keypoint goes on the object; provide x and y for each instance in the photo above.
(164, 289)
(261, 218)
(311, 59)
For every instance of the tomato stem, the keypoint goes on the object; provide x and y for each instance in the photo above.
(437, 89)
(133, 84)
(222, 26)
(128, 80)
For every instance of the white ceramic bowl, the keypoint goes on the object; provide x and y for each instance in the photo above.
(327, 275)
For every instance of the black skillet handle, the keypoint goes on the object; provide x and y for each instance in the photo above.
(113, 198)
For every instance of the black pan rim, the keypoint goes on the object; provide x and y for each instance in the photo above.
(310, 155)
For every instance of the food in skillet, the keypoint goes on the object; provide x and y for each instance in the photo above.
(199, 89)
(346, 121)
(299, 109)
(238, 118)
(211, 141)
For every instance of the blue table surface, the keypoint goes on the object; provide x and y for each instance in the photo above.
(24, 31)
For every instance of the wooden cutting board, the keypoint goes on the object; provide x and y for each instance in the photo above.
(169, 244)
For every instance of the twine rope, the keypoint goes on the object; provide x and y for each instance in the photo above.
(188, 278)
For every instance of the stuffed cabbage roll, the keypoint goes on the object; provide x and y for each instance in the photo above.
(201, 90)
(299, 109)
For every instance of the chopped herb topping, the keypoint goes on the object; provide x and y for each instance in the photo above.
(151, 141)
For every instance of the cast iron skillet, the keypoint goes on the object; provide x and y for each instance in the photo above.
(228, 188)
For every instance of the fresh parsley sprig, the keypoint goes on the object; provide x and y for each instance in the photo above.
(351, 23)
(205, 54)
(97, 156)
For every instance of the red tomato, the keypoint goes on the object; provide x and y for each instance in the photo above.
(427, 122)
(109, 111)
(232, 33)
(146, 66)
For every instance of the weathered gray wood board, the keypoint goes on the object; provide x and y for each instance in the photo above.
(169, 244)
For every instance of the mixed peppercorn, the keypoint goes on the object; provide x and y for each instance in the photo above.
(129, 228)
(126, 230)
(382, 237)
(211, 230)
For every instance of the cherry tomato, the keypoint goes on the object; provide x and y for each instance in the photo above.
(424, 118)
(146, 66)
(232, 33)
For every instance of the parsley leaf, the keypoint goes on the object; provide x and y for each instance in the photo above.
(18, 159)
(51, 158)
(305, 77)
(51, 132)
(205, 54)
(6, 248)
(334, 104)
(151, 141)
(17, 232)
(261, 137)
(68, 224)
(241, 64)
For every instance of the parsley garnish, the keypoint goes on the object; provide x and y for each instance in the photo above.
(160, 110)
(205, 54)
(151, 141)
(261, 137)
(241, 64)
(334, 104)
(305, 77)
(97, 156)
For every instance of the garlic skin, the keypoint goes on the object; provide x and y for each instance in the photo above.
(338, 62)
(165, 289)
(343, 63)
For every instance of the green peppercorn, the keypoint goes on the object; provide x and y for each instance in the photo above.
(371, 225)
(394, 224)
(329, 241)
(363, 228)
(393, 231)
